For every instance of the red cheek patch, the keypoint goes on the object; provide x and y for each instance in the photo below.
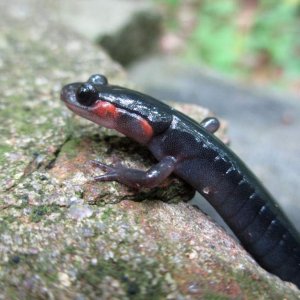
(105, 110)
(146, 127)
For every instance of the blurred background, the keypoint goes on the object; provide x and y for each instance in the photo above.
(255, 41)
(239, 58)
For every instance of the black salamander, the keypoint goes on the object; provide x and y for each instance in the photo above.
(191, 151)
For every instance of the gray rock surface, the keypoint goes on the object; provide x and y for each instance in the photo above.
(99, 17)
(128, 30)
(63, 237)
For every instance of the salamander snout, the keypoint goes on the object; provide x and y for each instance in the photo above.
(68, 93)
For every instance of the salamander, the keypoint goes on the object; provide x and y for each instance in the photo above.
(191, 151)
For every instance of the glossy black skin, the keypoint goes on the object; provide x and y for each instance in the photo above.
(192, 152)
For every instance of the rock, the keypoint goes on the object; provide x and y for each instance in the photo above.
(128, 30)
(136, 39)
(114, 248)
(100, 17)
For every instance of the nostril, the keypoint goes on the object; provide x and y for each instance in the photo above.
(68, 92)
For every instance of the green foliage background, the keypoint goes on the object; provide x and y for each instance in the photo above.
(218, 41)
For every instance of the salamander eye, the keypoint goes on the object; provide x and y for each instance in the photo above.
(87, 94)
(98, 79)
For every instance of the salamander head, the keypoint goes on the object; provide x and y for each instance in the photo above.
(132, 113)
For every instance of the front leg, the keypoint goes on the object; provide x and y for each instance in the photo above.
(137, 178)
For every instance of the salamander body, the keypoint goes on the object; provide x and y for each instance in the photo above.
(191, 151)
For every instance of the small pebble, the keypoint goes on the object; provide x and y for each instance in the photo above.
(64, 279)
(79, 212)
